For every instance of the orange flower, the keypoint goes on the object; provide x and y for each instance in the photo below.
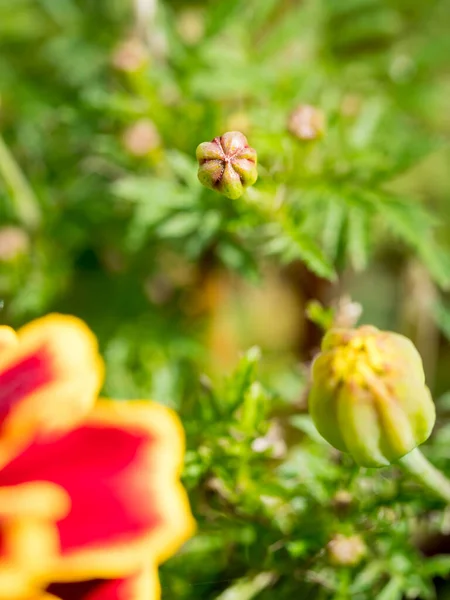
(86, 494)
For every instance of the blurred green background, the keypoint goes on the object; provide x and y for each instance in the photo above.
(102, 104)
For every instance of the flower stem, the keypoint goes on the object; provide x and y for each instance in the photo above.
(25, 202)
(423, 471)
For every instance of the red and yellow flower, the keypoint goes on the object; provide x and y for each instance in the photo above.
(90, 498)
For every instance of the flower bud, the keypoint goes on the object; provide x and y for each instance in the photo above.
(14, 243)
(141, 138)
(130, 56)
(346, 551)
(307, 123)
(342, 501)
(368, 395)
(227, 164)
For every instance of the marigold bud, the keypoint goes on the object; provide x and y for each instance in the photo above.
(307, 123)
(130, 56)
(141, 137)
(342, 501)
(346, 551)
(227, 164)
(14, 242)
(369, 397)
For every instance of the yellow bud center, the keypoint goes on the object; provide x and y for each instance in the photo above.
(359, 358)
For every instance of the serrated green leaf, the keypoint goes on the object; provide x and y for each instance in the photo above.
(303, 247)
(415, 226)
(242, 379)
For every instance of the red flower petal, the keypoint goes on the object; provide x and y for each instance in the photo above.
(120, 470)
(50, 375)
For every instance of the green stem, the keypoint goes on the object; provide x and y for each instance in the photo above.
(25, 202)
(423, 471)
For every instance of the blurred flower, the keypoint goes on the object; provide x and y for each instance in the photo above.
(136, 586)
(346, 551)
(342, 499)
(141, 138)
(227, 164)
(307, 123)
(14, 242)
(130, 55)
(92, 492)
(191, 26)
(369, 396)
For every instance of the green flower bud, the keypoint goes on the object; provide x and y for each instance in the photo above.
(227, 164)
(369, 397)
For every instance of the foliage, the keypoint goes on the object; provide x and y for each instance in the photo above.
(101, 108)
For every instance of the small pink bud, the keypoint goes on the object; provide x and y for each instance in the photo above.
(130, 56)
(141, 138)
(307, 123)
(346, 551)
(14, 242)
(227, 164)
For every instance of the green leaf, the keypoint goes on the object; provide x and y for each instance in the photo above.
(238, 258)
(303, 247)
(441, 314)
(242, 379)
(305, 424)
(320, 315)
(392, 591)
(368, 577)
(179, 225)
(357, 238)
(332, 228)
(415, 226)
(185, 167)
(437, 566)
(248, 588)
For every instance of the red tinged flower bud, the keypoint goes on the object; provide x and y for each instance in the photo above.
(141, 138)
(227, 164)
(307, 123)
(14, 243)
(130, 56)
